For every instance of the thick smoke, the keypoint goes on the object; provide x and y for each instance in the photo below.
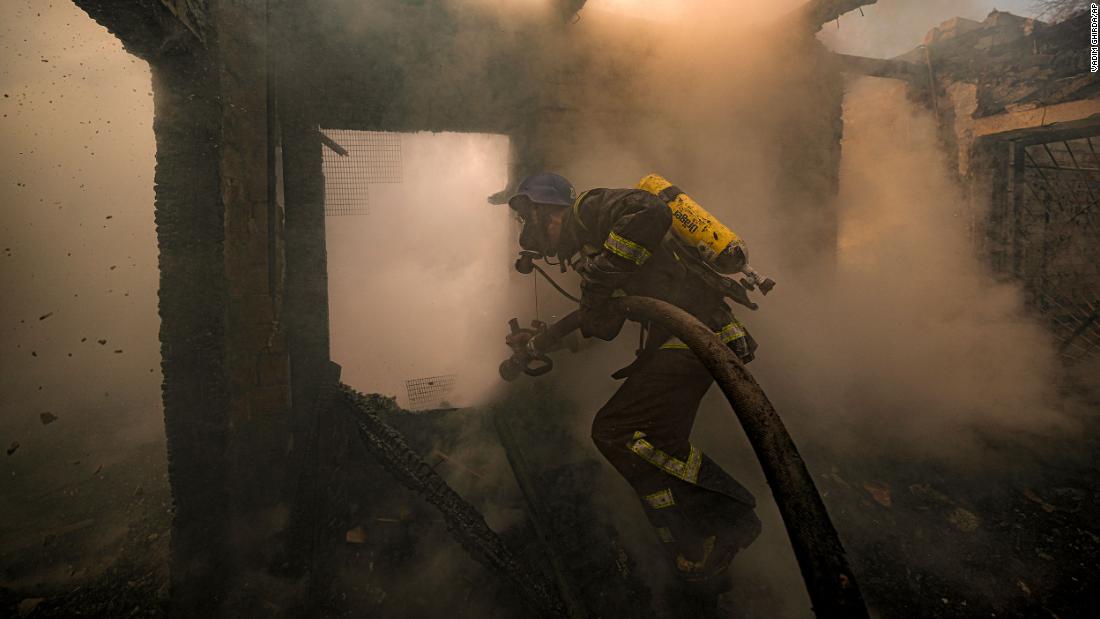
(911, 340)
(421, 286)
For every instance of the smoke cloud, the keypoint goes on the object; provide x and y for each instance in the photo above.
(911, 338)
(423, 285)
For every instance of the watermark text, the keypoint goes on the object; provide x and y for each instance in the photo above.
(1094, 37)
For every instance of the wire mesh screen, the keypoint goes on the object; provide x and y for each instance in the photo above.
(1057, 225)
(429, 392)
(354, 160)
(1075, 322)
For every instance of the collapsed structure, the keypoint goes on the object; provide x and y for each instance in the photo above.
(1019, 115)
(258, 446)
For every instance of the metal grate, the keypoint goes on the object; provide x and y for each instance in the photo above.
(1057, 225)
(429, 392)
(1075, 323)
(354, 160)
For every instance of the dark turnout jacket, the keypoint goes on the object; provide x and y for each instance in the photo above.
(625, 242)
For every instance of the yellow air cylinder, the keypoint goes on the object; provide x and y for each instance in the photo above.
(718, 245)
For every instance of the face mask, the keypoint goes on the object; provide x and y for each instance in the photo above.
(535, 237)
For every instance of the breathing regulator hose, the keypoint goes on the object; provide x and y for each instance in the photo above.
(821, 557)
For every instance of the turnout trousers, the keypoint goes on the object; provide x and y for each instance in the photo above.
(701, 515)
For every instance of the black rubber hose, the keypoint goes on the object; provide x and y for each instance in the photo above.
(553, 283)
(555, 332)
(821, 557)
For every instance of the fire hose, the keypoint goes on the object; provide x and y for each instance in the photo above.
(821, 557)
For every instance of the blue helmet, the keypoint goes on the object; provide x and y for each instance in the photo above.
(545, 188)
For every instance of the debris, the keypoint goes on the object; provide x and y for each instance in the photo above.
(963, 520)
(45, 316)
(53, 534)
(14, 447)
(928, 493)
(139, 491)
(1023, 587)
(118, 351)
(451, 460)
(1069, 500)
(358, 535)
(47, 418)
(880, 492)
(1034, 498)
(833, 475)
(28, 606)
(376, 595)
(97, 470)
(102, 342)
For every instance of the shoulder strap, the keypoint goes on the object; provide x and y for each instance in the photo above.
(577, 207)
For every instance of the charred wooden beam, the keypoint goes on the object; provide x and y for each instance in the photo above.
(147, 28)
(192, 295)
(539, 517)
(193, 14)
(464, 521)
(879, 67)
(1039, 119)
(815, 13)
(570, 8)
(332, 144)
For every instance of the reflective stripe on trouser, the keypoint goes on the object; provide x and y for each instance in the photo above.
(701, 515)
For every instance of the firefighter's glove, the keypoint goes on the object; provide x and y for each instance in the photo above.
(600, 277)
(602, 323)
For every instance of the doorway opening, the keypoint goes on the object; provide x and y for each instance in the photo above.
(419, 262)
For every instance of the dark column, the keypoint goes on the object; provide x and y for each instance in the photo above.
(306, 319)
(988, 184)
(189, 219)
(307, 261)
(256, 354)
(228, 318)
(808, 141)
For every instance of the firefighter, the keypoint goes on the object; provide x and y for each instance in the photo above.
(620, 240)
